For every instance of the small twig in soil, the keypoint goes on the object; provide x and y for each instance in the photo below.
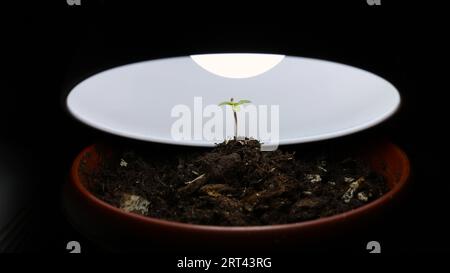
(193, 185)
(195, 179)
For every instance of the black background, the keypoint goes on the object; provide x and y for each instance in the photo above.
(49, 47)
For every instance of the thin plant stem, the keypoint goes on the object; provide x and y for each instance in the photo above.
(235, 125)
(235, 108)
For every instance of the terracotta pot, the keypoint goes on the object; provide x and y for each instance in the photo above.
(119, 230)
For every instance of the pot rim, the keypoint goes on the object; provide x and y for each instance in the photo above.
(75, 181)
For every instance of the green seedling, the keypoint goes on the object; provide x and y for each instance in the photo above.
(235, 106)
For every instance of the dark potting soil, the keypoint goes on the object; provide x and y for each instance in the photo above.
(236, 184)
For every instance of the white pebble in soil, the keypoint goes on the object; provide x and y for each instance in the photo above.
(349, 179)
(313, 178)
(362, 196)
(123, 163)
(134, 203)
(348, 195)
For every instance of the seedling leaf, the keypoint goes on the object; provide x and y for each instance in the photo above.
(244, 101)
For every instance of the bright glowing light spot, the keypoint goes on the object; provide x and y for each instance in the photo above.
(237, 65)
